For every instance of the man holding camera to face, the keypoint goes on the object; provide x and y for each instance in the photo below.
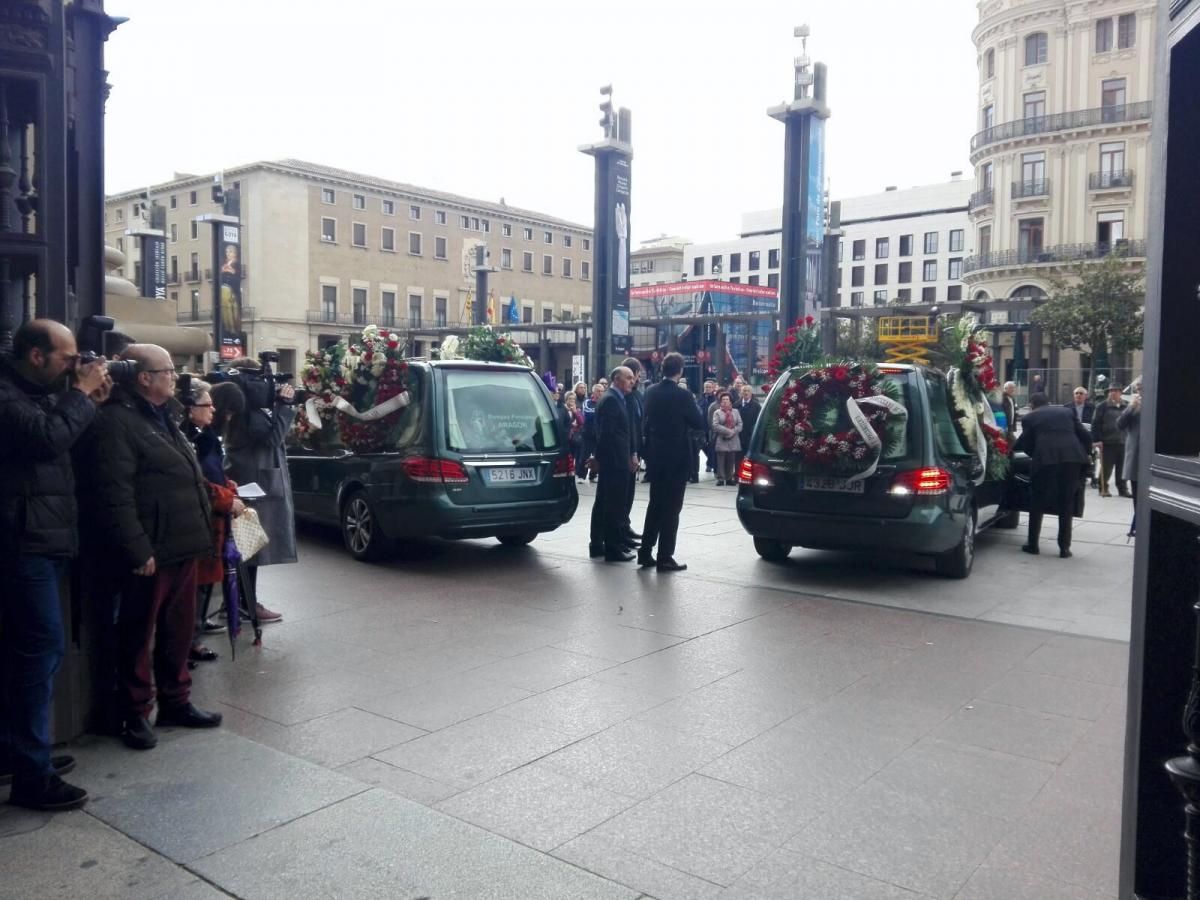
(44, 410)
(151, 509)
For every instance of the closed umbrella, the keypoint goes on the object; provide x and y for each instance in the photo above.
(1019, 361)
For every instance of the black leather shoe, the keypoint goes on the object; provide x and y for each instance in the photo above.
(60, 765)
(138, 734)
(48, 793)
(595, 550)
(1029, 548)
(1065, 554)
(618, 557)
(669, 565)
(645, 560)
(633, 535)
(631, 544)
(187, 716)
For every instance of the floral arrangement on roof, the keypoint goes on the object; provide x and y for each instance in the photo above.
(486, 344)
(357, 389)
(839, 418)
(800, 346)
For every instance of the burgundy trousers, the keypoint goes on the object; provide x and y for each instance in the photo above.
(154, 633)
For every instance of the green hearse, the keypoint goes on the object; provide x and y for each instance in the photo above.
(477, 453)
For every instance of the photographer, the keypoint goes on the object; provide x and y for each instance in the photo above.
(44, 409)
(151, 502)
(254, 452)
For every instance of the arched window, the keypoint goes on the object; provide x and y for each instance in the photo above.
(1028, 292)
(981, 296)
(1037, 48)
(989, 64)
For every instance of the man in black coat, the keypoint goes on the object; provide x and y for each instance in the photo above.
(1009, 399)
(617, 463)
(671, 417)
(634, 407)
(1057, 443)
(748, 408)
(44, 410)
(1110, 439)
(151, 502)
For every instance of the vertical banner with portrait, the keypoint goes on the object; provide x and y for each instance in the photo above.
(814, 216)
(154, 267)
(618, 252)
(228, 336)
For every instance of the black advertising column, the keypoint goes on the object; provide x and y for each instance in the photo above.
(610, 241)
(803, 190)
(229, 340)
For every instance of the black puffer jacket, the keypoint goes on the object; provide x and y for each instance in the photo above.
(38, 514)
(144, 485)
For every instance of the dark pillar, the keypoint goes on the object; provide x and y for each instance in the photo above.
(610, 240)
(720, 352)
(479, 314)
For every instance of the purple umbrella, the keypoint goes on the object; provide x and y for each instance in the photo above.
(230, 582)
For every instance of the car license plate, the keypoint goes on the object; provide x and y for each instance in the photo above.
(510, 475)
(838, 485)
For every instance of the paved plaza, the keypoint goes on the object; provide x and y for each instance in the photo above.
(475, 721)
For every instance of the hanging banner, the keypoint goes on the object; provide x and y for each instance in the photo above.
(153, 282)
(228, 336)
(618, 252)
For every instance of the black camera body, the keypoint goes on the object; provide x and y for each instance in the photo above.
(120, 370)
(261, 386)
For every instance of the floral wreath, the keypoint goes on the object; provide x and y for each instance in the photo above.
(840, 418)
(801, 346)
(360, 387)
(973, 385)
(485, 344)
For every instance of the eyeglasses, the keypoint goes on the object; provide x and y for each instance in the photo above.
(157, 371)
(202, 406)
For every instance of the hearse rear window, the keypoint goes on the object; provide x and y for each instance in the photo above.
(497, 412)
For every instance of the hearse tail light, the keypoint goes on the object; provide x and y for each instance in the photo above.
(564, 466)
(921, 483)
(755, 473)
(432, 470)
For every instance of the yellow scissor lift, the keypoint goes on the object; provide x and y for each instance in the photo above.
(908, 339)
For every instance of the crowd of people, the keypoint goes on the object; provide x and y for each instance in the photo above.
(140, 481)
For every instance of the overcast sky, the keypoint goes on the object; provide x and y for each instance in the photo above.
(493, 99)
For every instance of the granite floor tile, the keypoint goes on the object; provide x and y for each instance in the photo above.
(725, 713)
(635, 758)
(972, 778)
(1052, 694)
(1010, 729)
(615, 861)
(445, 701)
(670, 672)
(709, 829)
(475, 751)
(1104, 662)
(341, 737)
(787, 875)
(398, 781)
(169, 799)
(989, 883)
(381, 845)
(927, 847)
(618, 643)
(290, 701)
(542, 669)
(583, 707)
(537, 806)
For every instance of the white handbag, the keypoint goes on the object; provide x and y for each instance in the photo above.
(248, 534)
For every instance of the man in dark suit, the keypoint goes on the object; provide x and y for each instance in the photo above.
(1084, 411)
(633, 406)
(1010, 410)
(617, 463)
(1058, 444)
(671, 417)
(748, 408)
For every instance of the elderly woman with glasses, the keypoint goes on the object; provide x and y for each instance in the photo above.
(204, 433)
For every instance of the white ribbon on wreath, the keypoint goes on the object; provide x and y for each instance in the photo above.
(863, 426)
(378, 411)
(969, 418)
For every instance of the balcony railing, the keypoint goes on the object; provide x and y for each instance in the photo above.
(1057, 254)
(1101, 181)
(192, 275)
(172, 278)
(982, 198)
(1080, 118)
(193, 315)
(1039, 187)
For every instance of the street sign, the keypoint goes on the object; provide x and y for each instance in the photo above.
(577, 372)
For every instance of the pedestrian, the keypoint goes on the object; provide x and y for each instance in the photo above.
(44, 410)
(671, 417)
(203, 430)
(255, 454)
(151, 502)
(1111, 440)
(575, 435)
(617, 463)
(1057, 443)
(748, 408)
(1130, 422)
(1009, 399)
(589, 431)
(581, 393)
(633, 407)
(707, 401)
(726, 426)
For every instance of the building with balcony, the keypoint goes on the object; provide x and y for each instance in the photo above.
(1061, 154)
(657, 261)
(326, 252)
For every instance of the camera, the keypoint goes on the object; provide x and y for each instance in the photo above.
(118, 369)
(261, 386)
